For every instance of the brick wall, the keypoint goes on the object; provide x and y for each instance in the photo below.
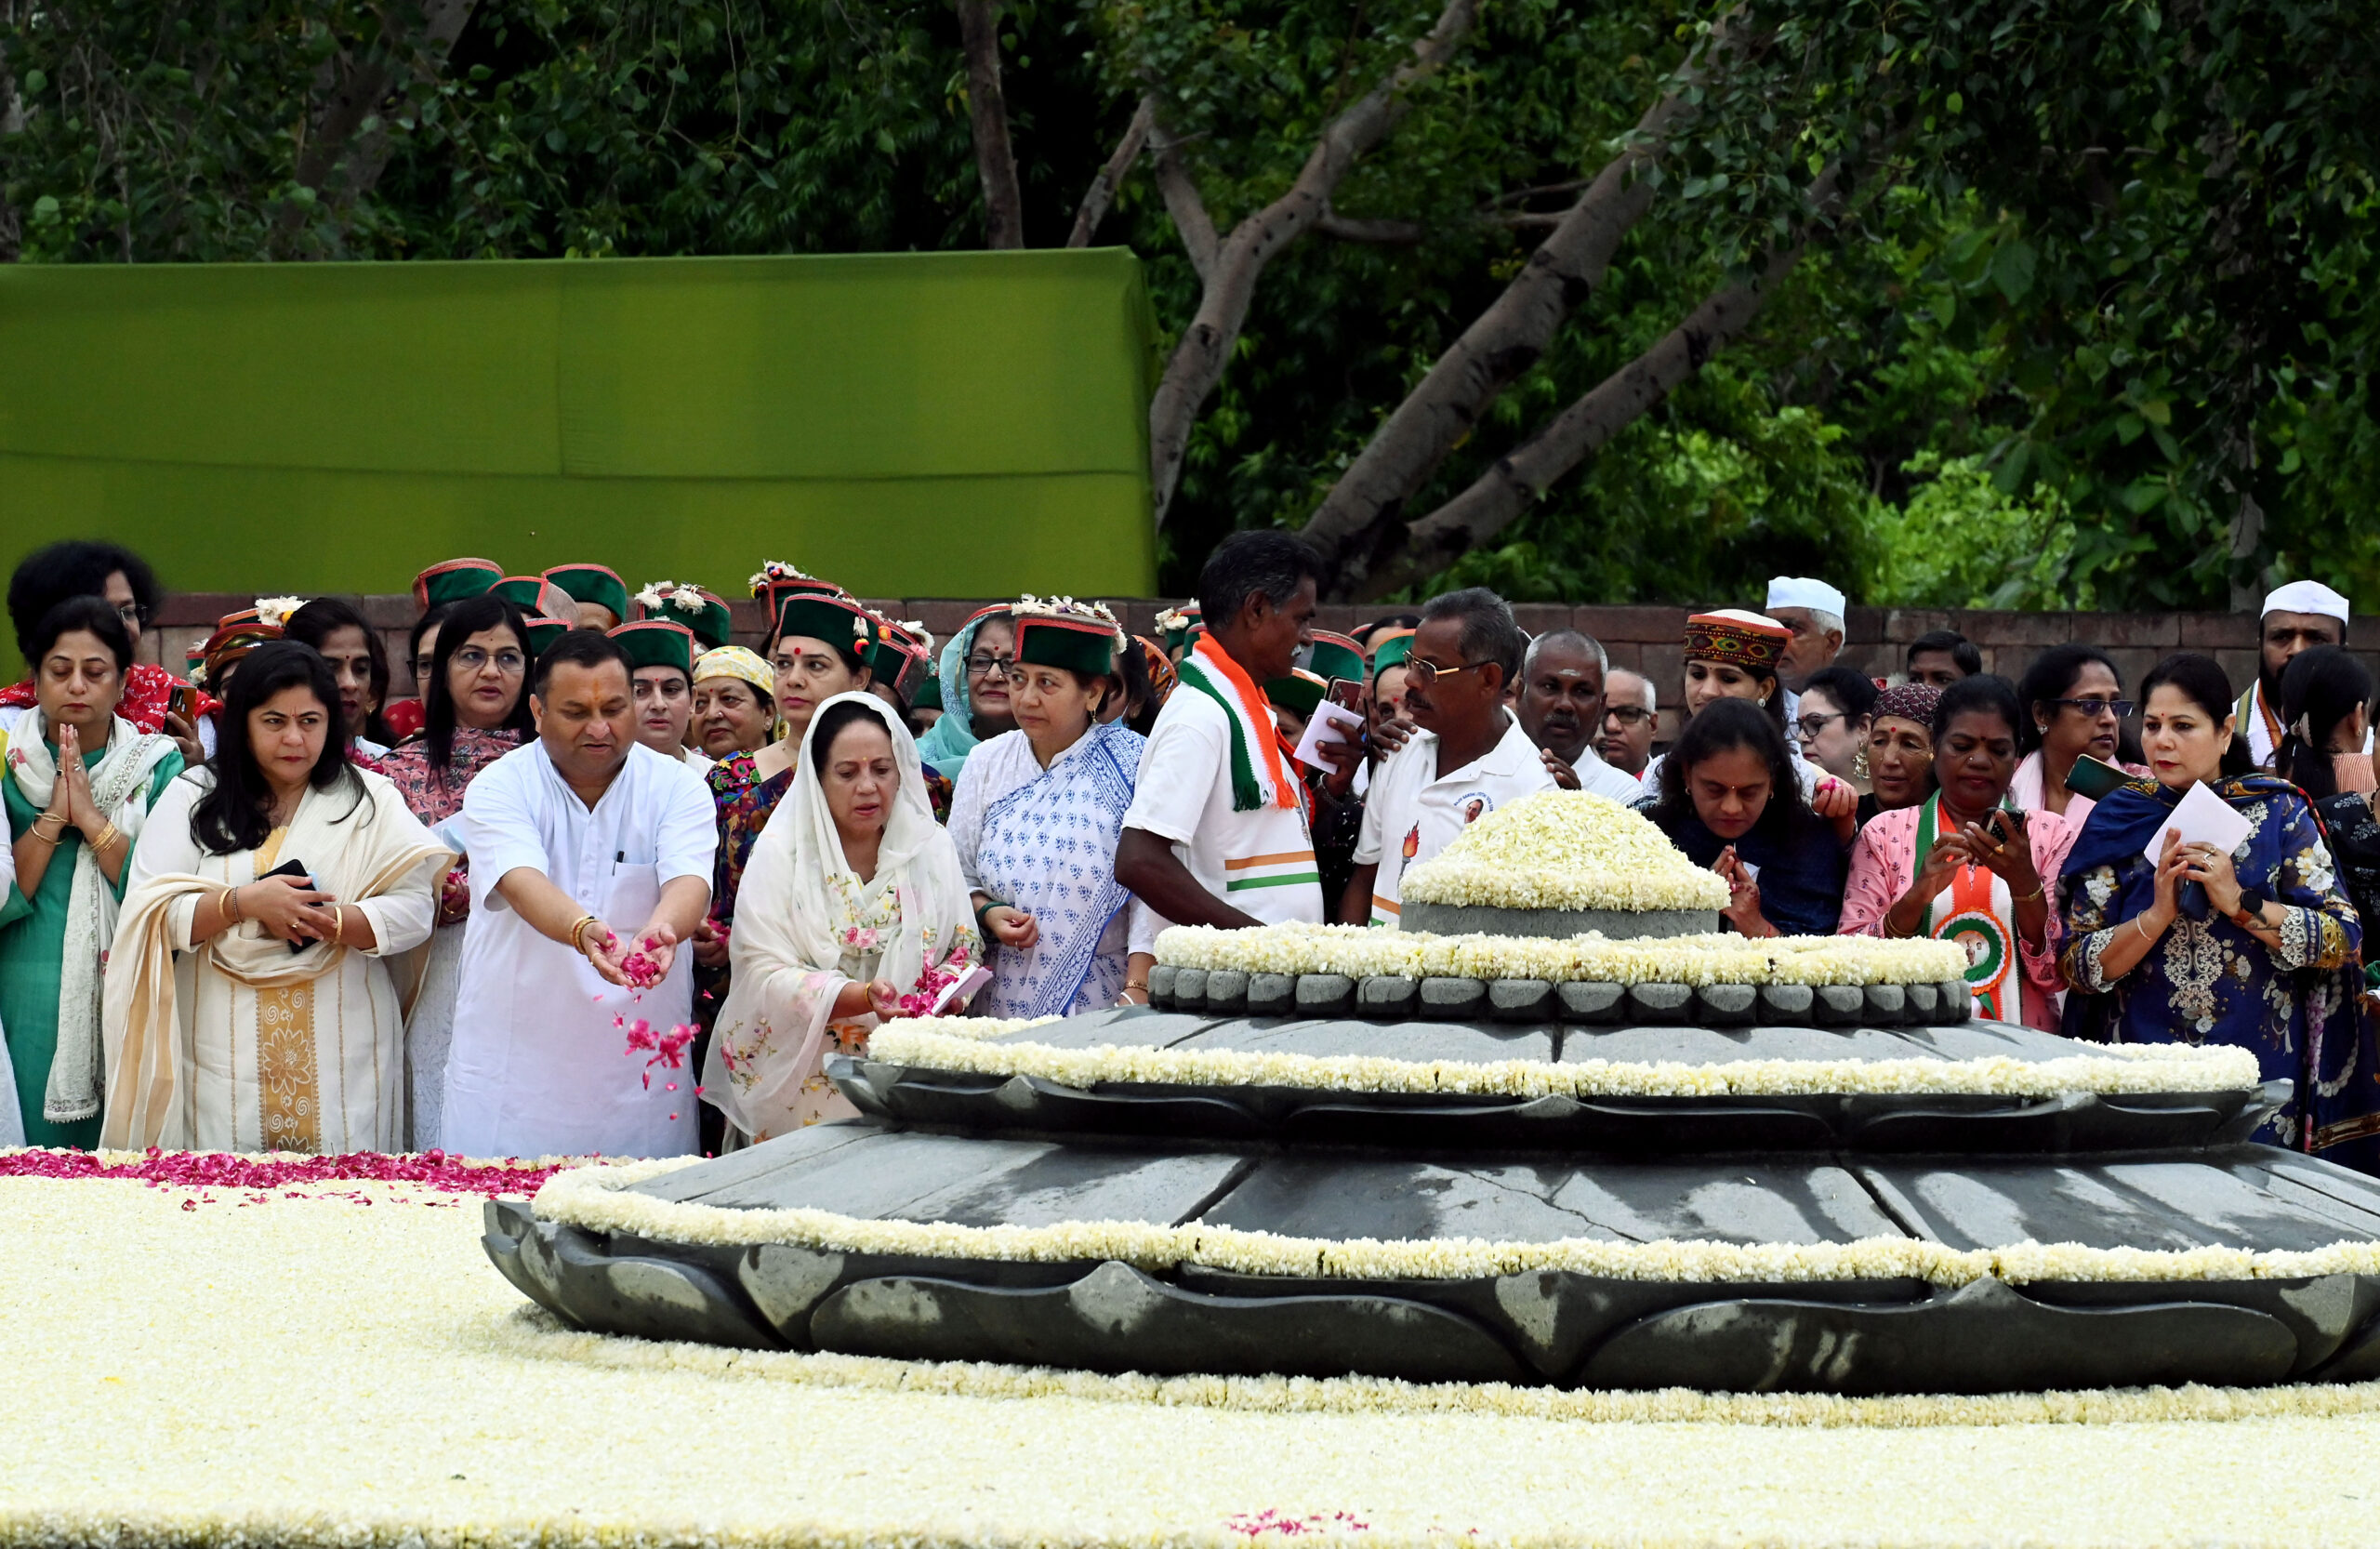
(1643, 639)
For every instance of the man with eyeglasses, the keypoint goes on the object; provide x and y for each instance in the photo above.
(1561, 708)
(2296, 617)
(1470, 757)
(1630, 717)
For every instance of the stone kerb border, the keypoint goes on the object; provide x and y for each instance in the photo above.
(1228, 992)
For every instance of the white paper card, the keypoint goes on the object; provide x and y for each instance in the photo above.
(961, 989)
(2201, 817)
(1332, 722)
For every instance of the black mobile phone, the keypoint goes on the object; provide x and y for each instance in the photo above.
(292, 868)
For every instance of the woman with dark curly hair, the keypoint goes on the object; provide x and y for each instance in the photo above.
(1731, 799)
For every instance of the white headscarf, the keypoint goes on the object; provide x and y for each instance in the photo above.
(119, 783)
(806, 925)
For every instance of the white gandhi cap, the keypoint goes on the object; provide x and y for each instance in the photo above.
(1804, 591)
(2305, 597)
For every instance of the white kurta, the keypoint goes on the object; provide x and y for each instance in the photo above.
(1412, 812)
(316, 1064)
(539, 1067)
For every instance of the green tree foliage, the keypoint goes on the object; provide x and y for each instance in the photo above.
(2091, 326)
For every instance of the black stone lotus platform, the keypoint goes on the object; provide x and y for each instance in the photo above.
(1539, 1327)
(1866, 1122)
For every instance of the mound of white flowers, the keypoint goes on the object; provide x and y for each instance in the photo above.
(1565, 849)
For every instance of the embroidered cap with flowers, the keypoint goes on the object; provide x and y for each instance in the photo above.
(1735, 638)
(901, 656)
(681, 602)
(1059, 632)
(235, 635)
(1179, 625)
(776, 580)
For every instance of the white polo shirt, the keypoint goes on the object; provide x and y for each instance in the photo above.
(1261, 862)
(1413, 812)
(1598, 778)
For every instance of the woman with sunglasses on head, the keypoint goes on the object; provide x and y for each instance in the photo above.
(477, 711)
(1960, 868)
(2255, 946)
(2075, 707)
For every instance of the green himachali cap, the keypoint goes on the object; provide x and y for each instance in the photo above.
(929, 695)
(902, 655)
(1298, 692)
(543, 632)
(1179, 625)
(1078, 643)
(776, 580)
(838, 620)
(455, 581)
(699, 610)
(1337, 657)
(593, 583)
(657, 642)
(535, 597)
(1391, 653)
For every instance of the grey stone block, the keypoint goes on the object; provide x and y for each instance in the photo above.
(1190, 989)
(1726, 1005)
(1454, 920)
(1226, 992)
(1161, 979)
(1956, 1002)
(1837, 1005)
(1785, 1003)
(1386, 995)
(1326, 995)
(1591, 1003)
(1448, 999)
(1660, 1003)
(1888, 1004)
(1523, 1001)
(1925, 1003)
(1271, 994)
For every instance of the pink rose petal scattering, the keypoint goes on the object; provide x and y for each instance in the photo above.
(667, 1049)
(1270, 1520)
(640, 970)
(257, 1174)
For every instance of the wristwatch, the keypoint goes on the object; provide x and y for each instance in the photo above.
(2251, 905)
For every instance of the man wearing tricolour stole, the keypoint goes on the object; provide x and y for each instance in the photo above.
(590, 862)
(1218, 832)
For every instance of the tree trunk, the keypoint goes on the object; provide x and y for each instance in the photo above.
(1238, 260)
(416, 36)
(979, 30)
(1513, 482)
(1101, 191)
(1504, 341)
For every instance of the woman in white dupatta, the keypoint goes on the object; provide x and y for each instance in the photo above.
(80, 780)
(852, 909)
(251, 1008)
(1037, 817)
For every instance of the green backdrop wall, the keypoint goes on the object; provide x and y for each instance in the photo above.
(905, 424)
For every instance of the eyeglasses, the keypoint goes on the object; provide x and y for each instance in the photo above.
(1813, 723)
(1423, 670)
(980, 664)
(2120, 709)
(1627, 715)
(470, 658)
(132, 614)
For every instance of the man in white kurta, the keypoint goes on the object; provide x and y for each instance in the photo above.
(540, 1065)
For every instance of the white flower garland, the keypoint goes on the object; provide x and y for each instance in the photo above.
(1565, 849)
(1360, 951)
(533, 1333)
(593, 1200)
(1066, 607)
(942, 1045)
(275, 611)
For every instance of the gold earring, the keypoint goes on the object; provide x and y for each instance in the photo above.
(1860, 763)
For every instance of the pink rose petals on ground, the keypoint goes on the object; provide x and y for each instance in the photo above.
(257, 1175)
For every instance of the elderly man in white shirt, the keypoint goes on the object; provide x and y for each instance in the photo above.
(1561, 708)
(1812, 611)
(590, 862)
(1470, 757)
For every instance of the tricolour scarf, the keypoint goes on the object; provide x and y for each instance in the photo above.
(73, 1091)
(1262, 768)
(1977, 914)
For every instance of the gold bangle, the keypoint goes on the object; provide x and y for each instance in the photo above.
(232, 913)
(578, 934)
(2143, 930)
(339, 924)
(108, 836)
(35, 834)
(1141, 984)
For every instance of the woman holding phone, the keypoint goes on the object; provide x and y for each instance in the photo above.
(290, 880)
(1960, 867)
(2253, 946)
